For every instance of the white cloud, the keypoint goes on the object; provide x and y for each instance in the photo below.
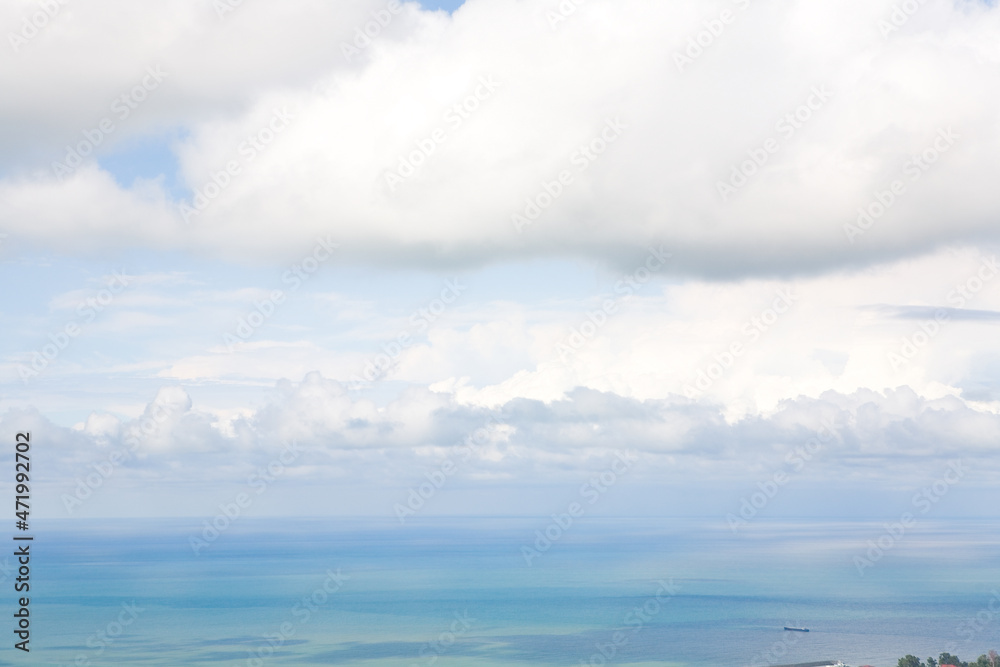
(889, 97)
(890, 435)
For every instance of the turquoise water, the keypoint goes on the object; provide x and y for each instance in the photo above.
(451, 592)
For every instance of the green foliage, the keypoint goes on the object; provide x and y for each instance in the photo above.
(949, 659)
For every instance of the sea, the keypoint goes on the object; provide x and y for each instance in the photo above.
(449, 592)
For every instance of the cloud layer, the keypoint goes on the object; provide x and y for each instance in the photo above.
(316, 434)
(832, 110)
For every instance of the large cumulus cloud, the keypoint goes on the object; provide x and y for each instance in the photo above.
(684, 130)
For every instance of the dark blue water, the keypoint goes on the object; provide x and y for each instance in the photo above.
(460, 592)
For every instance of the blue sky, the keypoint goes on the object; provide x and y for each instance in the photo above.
(446, 5)
(374, 245)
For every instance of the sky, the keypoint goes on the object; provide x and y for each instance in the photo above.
(476, 251)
